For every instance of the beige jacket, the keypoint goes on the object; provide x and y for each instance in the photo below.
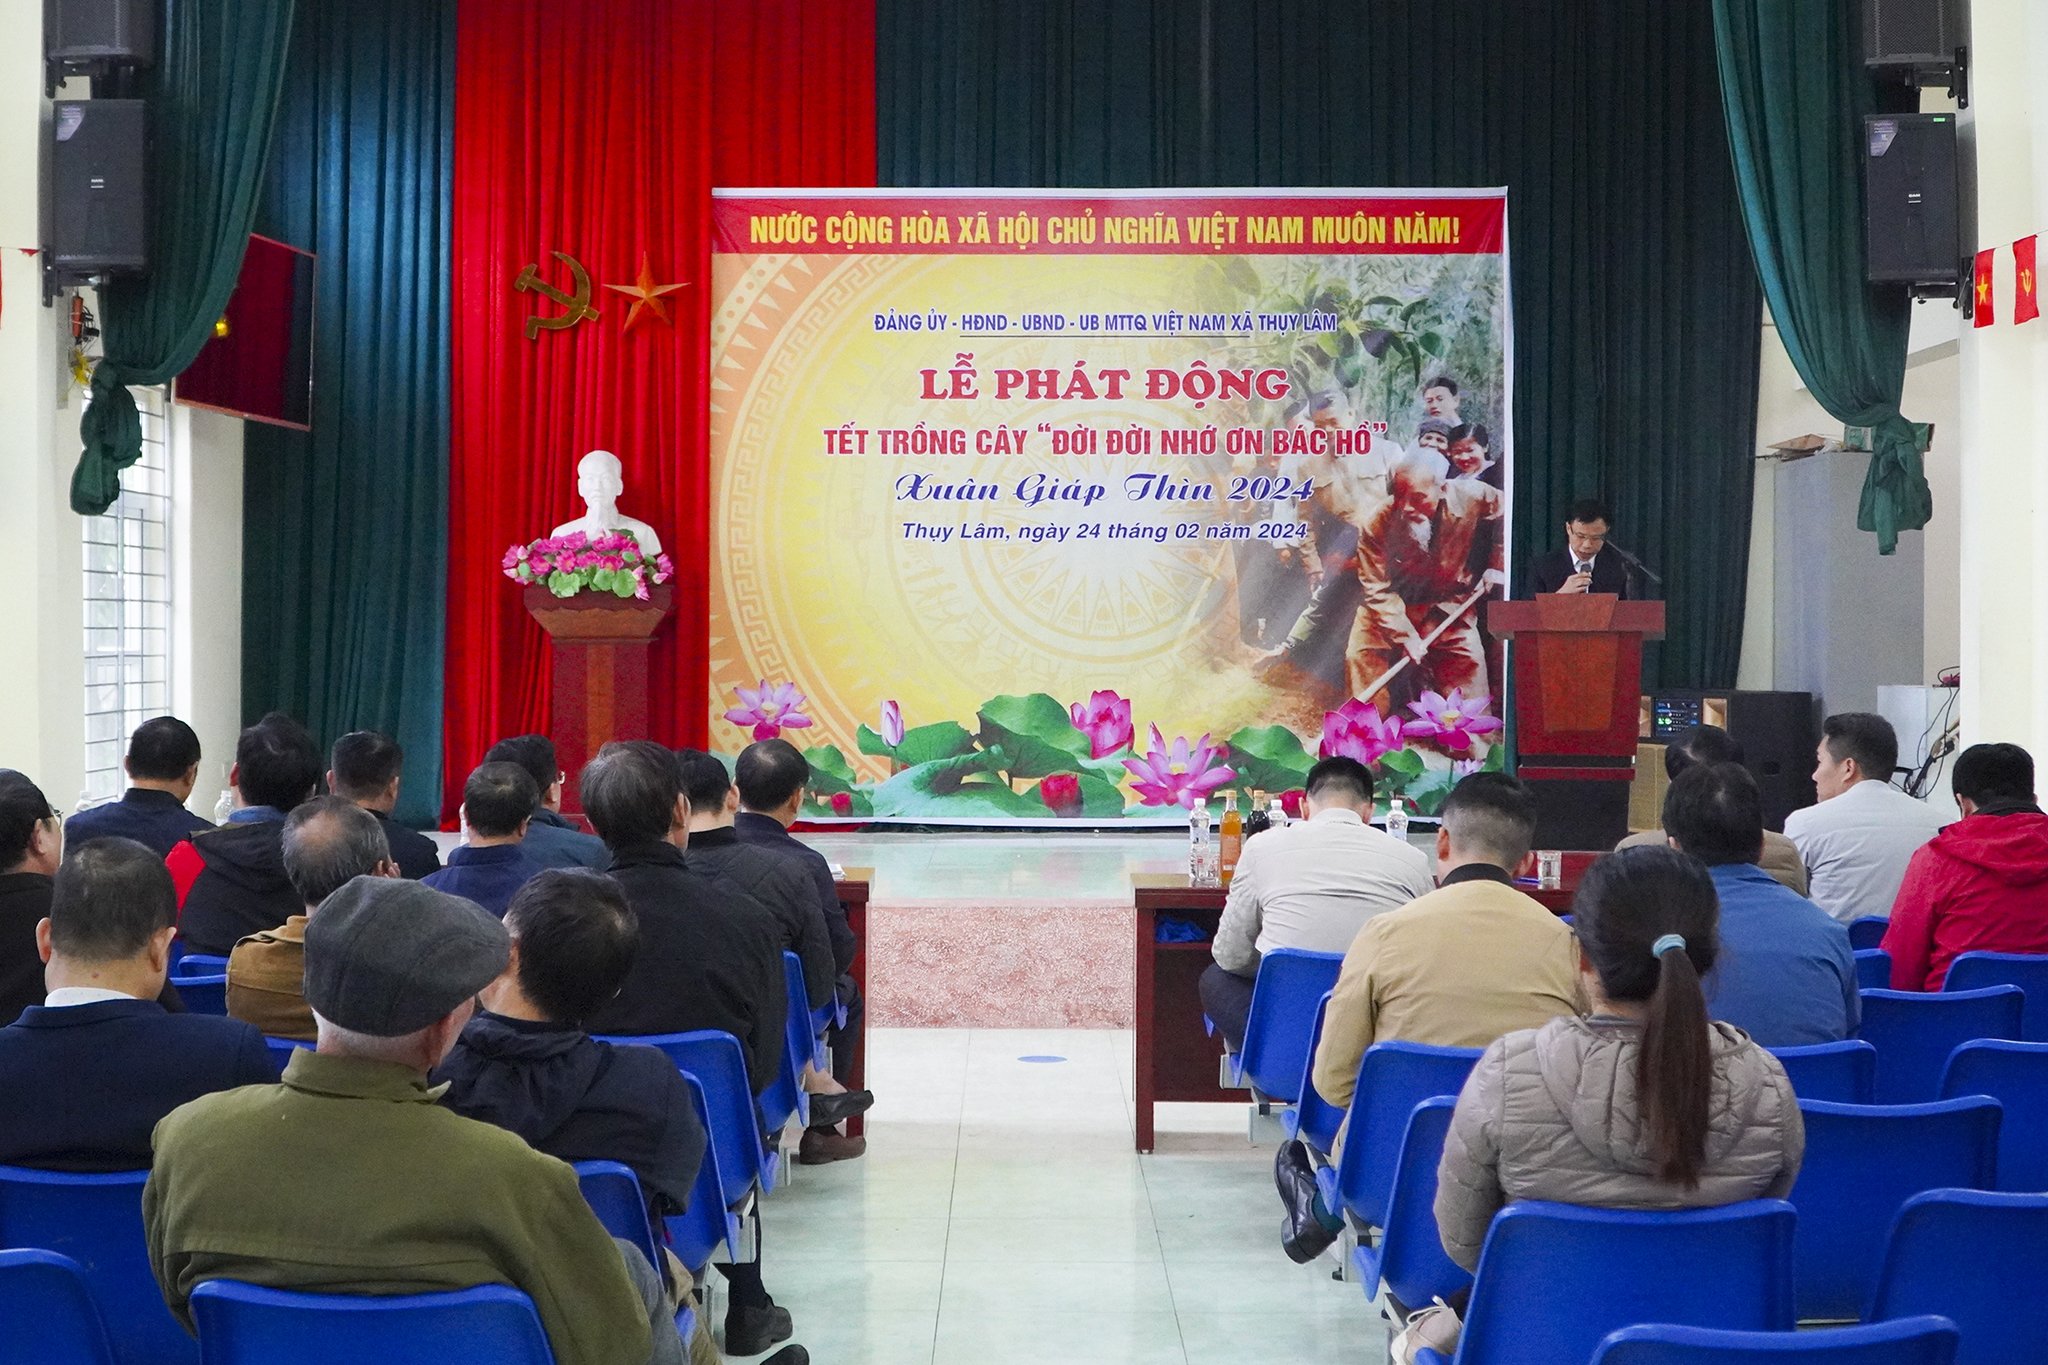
(1781, 855)
(1457, 968)
(267, 981)
(1553, 1113)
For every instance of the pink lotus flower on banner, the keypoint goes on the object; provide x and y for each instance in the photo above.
(1357, 730)
(842, 803)
(1465, 767)
(1451, 721)
(1181, 775)
(892, 724)
(1293, 801)
(1061, 793)
(770, 710)
(1106, 719)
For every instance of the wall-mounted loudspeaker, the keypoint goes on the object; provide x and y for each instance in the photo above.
(1912, 229)
(1911, 32)
(76, 32)
(95, 195)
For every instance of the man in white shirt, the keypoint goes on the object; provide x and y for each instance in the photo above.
(1310, 886)
(1857, 841)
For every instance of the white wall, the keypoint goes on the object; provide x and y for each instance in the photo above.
(206, 557)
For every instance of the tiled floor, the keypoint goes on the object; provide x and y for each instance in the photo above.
(1001, 1216)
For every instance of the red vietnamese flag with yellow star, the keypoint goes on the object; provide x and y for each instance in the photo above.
(2025, 306)
(1981, 313)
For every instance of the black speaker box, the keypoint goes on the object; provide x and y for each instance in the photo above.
(1777, 732)
(119, 31)
(1911, 32)
(95, 198)
(1912, 227)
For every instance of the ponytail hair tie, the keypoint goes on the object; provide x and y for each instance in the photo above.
(1666, 944)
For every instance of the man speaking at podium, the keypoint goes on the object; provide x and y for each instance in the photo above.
(1588, 563)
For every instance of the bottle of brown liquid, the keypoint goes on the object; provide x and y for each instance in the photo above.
(1256, 820)
(1232, 842)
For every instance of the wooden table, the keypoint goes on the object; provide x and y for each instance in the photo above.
(853, 899)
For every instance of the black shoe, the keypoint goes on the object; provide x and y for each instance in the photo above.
(1304, 1232)
(750, 1331)
(828, 1111)
(789, 1355)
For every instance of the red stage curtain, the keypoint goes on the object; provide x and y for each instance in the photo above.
(598, 129)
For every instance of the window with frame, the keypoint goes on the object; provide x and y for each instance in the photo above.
(128, 605)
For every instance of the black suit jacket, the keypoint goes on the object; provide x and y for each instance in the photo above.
(768, 832)
(780, 884)
(93, 1080)
(1609, 573)
(417, 856)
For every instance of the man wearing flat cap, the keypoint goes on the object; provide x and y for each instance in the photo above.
(348, 1178)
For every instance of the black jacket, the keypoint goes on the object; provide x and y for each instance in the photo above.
(242, 888)
(780, 884)
(710, 958)
(578, 1099)
(768, 833)
(415, 854)
(1609, 573)
(93, 1080)
(24, 902)
(154, 819)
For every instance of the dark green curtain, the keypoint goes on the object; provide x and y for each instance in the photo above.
(212, 101)
(345, 527)
(1796, 93)
(1636, 312)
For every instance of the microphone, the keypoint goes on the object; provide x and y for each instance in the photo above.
(1634, 563)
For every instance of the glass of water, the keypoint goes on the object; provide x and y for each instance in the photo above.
(1549, 869)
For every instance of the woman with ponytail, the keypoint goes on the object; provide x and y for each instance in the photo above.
(1644, 1103)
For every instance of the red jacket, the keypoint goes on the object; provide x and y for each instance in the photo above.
(1980, 884)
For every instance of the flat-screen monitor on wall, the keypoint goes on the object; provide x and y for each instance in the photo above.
(262, 368)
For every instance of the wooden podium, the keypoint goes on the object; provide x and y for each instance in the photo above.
(600, 647)
(1578, 675)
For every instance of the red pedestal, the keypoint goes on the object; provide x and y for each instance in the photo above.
(600, 644)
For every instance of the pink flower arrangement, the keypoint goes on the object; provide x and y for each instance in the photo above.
(1061, 793)
(892, 724)
(567, 565)
(1357, 730)
(1181, 775)
(1106, 719)
(1451, 721)
(769, 710)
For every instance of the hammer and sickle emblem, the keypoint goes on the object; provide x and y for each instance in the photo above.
(577, 303)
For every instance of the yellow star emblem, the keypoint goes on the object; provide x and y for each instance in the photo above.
(1983, 291)
(646, 294)
(2026, 281)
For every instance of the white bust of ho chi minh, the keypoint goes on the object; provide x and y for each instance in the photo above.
(600, 479)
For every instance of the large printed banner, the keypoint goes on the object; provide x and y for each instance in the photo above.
(1090, 507)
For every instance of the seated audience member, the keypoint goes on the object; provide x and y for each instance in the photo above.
(1981, 885)
(771, 776)
(551, 839)
(1686, 1113)
(1857, 840)
(1787, 976)
(97, 1064)
(365, 1183)
(366, 767)
(31, 847)
(231, 880)
(498, 802)
(163, 767)
(525, 1063)
(328, 842)
(781, 885)
(710, 957)
(1712, 744)
(1309, 885)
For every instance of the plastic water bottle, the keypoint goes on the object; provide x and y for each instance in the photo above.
(224, 807)
(1276, 814)
(1199, 861)
(1397, 819)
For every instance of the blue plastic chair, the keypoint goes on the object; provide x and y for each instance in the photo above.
(1863, 1162)
(1555, 1279)
(96, 1220)
(281, 1050)
(1393, 1078)
(784, 1099)
(1841, 1073)
(47, 1316)
(715, 1059)
(2028, 971)
(1978, 1257)
(1312, 1118)
(614, 1195)
(203, 994)
(707, 1224)
(243, 1324)
(2016, 1075)
(1914, 1033)
(1410, 1257)
(1868, 931)
(198, 964)
(1873, 969)
(1909, 1341)
(1276, 1031)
